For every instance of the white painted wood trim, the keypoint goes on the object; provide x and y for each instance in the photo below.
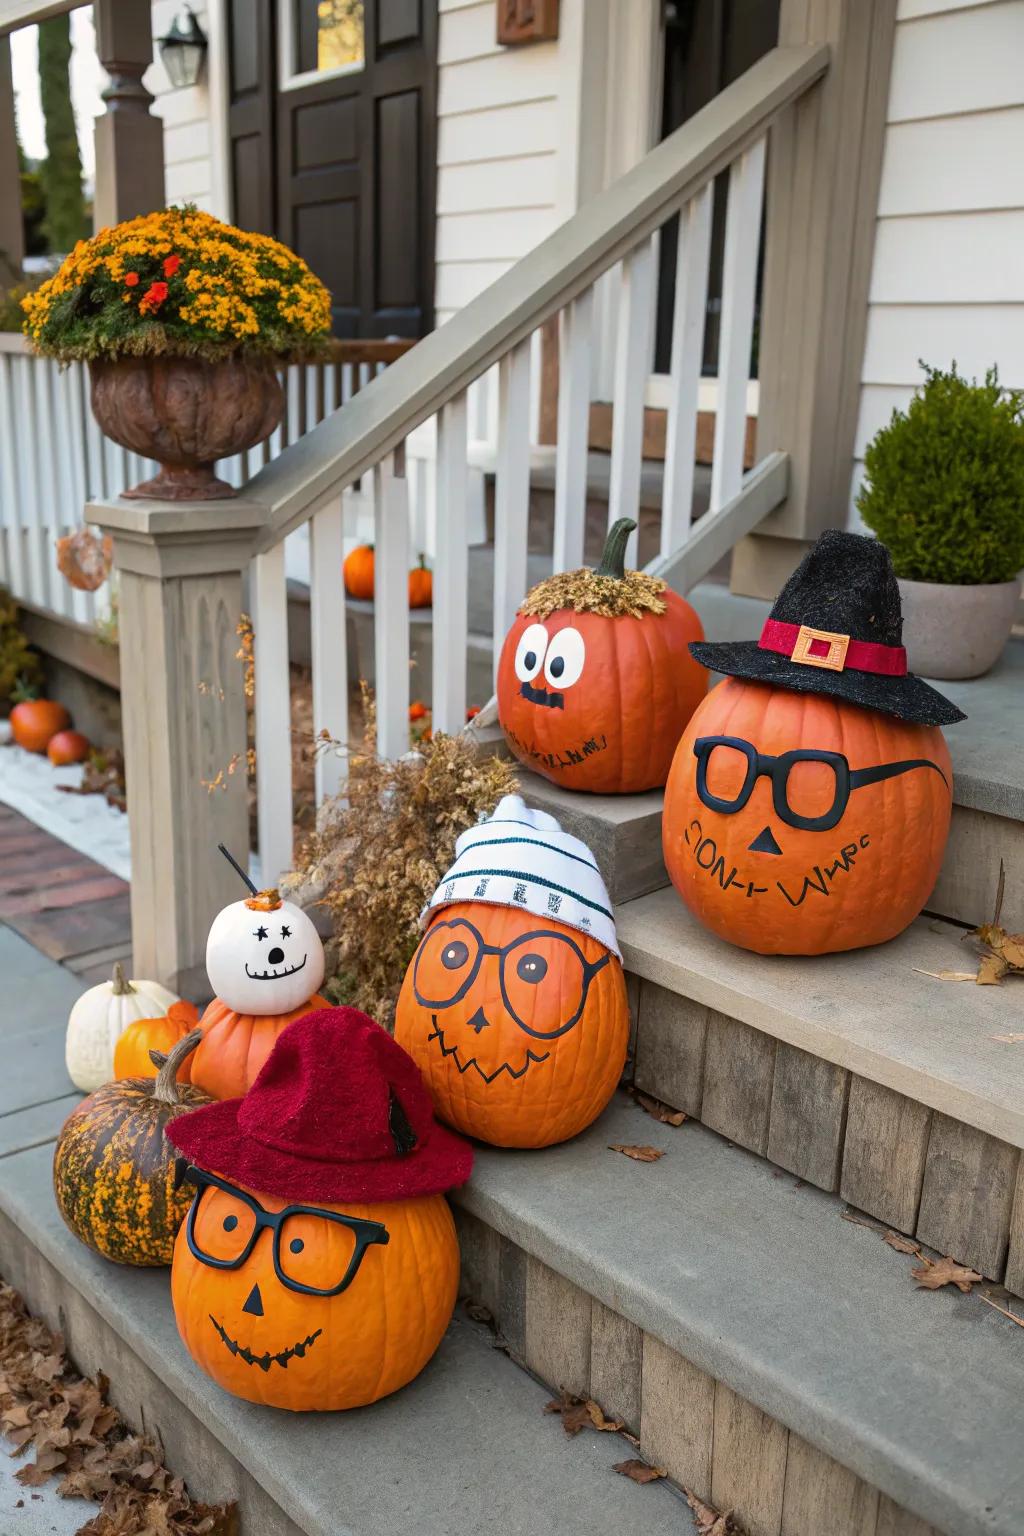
(575, 357)
(273, 715)
(391, 607)
(218, 65)
(632, 365)
(328, 646)
(717, 532)
(739, 286)
(451, 569)
(692, 262)
(511, 490)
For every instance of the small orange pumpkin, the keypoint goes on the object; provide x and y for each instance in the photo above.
(235, 1045)
(68, 747)
(421, 586)
(596, 681)
(771, 882)
(131, 1053)
(34, 722)
(358, 572)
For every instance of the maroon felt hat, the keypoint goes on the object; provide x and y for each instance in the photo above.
(338, 1112)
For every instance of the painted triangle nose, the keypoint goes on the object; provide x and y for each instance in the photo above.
(254, 1302)
(764, 842)
(479, 1021)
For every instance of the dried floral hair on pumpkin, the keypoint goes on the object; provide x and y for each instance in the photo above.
(610, 591)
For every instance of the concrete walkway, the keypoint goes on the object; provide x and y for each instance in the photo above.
(37, 1511)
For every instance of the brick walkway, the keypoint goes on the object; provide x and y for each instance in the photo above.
(67, 905)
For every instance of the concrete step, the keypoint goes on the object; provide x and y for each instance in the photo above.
(775, 1358)
(861, 1073)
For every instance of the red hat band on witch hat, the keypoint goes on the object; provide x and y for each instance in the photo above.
(338, 1112)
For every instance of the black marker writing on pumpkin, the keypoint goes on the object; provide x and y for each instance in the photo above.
(843, 863)
(569, 757)
(707, 856)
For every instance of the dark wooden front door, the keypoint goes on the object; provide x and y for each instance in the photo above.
(348, 152)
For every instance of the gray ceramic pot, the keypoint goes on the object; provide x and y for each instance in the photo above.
(955, 632)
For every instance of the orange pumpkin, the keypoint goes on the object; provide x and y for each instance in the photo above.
(358, 572)
(68, 747)
(421, 586)
(35, 721)
(780, 835)
(235, 1045)
(131, 1053)
(595, 681)
(522, 1048)
(241, 1326)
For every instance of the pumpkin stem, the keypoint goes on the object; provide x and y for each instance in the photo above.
(166, 1087)
(238, 869)
(613, 560)
(120, 985)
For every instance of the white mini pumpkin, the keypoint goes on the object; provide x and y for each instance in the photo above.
(98, 1020)
(264, 956)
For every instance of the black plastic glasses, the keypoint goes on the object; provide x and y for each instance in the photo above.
(778, 769)
(227, 1242)
(457, 948)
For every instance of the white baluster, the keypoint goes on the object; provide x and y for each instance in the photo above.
(70, 483)
(12, 435)
(511, 491)
(328, 645)
(632, 365)
(692, 257)
(573, 432)
(451, 569)
(391, 605)
(273, 714)
(33, 425)
(739, 287)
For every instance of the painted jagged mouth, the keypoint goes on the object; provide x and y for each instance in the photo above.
(451, 1052)
(275, 975)
(264, 1361)
(542, 696)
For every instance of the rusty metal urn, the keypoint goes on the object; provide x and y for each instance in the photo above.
(186, 414)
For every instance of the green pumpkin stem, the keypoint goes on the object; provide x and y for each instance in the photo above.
(120, 985)
(166, 1087)
(613, 560)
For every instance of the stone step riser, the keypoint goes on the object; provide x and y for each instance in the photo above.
(923, 1173)
(707, 1437)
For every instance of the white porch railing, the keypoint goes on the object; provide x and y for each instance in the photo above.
(618, 229)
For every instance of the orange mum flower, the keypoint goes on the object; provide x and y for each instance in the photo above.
(131, 279)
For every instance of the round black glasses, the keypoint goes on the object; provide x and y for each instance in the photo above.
(229, 1235)
(456, 949)
(778, 769)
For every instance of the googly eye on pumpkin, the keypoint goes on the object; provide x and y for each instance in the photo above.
(530, 652)
(565, 658)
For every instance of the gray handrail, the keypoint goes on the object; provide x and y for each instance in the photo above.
(349, 443)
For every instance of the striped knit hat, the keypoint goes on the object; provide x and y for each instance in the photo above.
(521, 858)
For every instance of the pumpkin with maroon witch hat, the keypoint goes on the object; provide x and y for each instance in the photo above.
(318, 1265)
(809, 800)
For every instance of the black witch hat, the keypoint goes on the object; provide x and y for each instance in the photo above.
(837, 628)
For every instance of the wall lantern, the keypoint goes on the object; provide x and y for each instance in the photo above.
(183, 49)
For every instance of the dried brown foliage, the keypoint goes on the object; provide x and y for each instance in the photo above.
(579, 1413)
(46, 1407)
(103, 774)
(586, 591)
(376, 860)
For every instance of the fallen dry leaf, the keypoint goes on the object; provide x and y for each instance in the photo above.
(638, 1154)
(900, 1243)
(580, 1413)
(657, 1109)
(638, 1471)
(991, 970)
(711, 1522)
(479, 1313)
(1007, 1039)
(860, 1221)
(1004, 1310)
(947, 975)
(932, 1276)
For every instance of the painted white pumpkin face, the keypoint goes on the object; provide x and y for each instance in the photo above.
(264, 962)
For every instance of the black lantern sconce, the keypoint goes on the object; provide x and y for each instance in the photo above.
(183, 49)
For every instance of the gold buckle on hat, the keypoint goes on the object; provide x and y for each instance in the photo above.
(838, 645)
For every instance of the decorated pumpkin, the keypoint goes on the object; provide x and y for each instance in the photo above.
(265, 961)
(514, 1005)
(100, 1017)
(357, 571)
(319, 1266)
(35, 721)
(595, 682)
(809, 800)
(132, 1053)
(113, 1172)
(421, 586)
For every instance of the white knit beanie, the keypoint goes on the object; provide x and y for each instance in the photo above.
(522, 858)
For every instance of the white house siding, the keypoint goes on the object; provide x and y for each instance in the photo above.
(948, 274)
(190, 166)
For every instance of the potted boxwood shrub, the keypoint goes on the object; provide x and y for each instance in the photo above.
(944, 489)
(182, 320)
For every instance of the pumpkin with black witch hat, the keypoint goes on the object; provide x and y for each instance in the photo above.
(809, 800)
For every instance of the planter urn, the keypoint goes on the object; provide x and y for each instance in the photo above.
(186, 414)
(952, 632)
